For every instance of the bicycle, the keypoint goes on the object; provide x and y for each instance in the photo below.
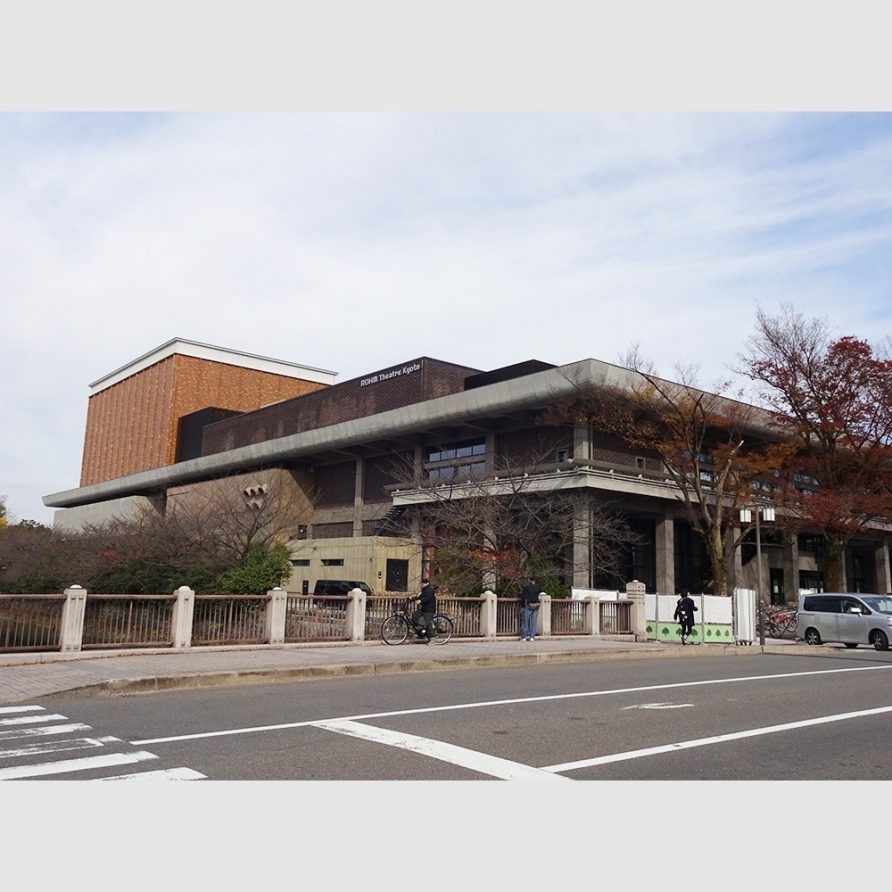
(780, 622)
(395, 629)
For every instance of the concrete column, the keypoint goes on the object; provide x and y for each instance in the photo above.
(488, 615)
(882, 578)
(665, 554)
(71, 635)
(582, 559)
(592, 615)
(181, 621)
(274, 626)
(543, 620)
(358, 497)
(582, 442)
(635, 593)
(736, 580)
(791, 569)
(490, 453)
(418, 464)
(356, 614)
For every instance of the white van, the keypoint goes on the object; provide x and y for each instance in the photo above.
(849, 619)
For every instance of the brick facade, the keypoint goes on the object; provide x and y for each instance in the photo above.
(132, 425)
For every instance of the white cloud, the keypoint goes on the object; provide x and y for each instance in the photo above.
(352, 241)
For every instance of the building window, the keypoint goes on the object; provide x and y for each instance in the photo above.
(460, 450)
(562, 454)
(458, 462)
(810, 581)
(640, 463)
(332, 562)
(300, 562)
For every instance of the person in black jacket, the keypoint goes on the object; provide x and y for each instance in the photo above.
(529, 602)
(427, 607)
(684, 613)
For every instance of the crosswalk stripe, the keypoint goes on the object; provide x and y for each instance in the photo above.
(6, 710)
(40, 732)
(445, 752)
(32, 719)
(68, 765)
(57, 746)
(168, 774)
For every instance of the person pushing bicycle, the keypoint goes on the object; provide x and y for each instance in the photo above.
(684, 613)
(427, 607)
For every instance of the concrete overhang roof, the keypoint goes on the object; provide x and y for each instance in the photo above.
(535, 390)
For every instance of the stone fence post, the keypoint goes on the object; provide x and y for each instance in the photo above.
(635, 593)
(181, 620)
(356, 614)
(71, 634)
(274, 624)
(543, 618)
(592, 624)
(488, 615)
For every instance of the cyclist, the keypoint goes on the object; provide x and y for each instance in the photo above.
(684, 613)
(427, 607)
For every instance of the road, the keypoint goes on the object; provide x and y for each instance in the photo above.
(774, 717)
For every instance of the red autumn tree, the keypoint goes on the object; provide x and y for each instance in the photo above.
(717, 451)
(836, 397)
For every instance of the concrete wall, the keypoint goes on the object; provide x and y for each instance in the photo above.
(364, 557)
(127, 508)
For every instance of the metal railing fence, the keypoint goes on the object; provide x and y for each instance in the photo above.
(127, 621)
(77, 620)
(229, 619)
(314, 618)
(616, 617)
(567, 616)
(30, 622)
(508, 612)
(465, 614)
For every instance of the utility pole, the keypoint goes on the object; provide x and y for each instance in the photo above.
(767, 514)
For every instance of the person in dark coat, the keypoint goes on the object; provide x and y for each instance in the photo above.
(684, 613)
(427, 607)
(529, 602)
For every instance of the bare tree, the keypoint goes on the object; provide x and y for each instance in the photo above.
(517, 520)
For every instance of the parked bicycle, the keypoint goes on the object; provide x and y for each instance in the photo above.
(396, 628)
(780, 622)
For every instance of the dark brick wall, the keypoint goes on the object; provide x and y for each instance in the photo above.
(332, 531)
(534, 444)
(390, 388)
(335, 485)
(384, 471)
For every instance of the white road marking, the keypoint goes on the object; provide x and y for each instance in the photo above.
(58, 746)
(40, 732)
(5, 710)
(488, 703)
(658, 706)
(31, 720)
(435, 749)
(707, 741)
(84, 764)
(168, 774)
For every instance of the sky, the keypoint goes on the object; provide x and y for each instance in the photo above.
(350, 241)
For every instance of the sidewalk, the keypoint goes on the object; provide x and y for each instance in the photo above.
(108, 673)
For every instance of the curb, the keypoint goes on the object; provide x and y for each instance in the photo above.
(236, 678)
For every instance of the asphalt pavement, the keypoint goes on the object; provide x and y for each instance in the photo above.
(24, 676)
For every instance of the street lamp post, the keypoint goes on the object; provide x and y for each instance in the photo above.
(767, 515)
